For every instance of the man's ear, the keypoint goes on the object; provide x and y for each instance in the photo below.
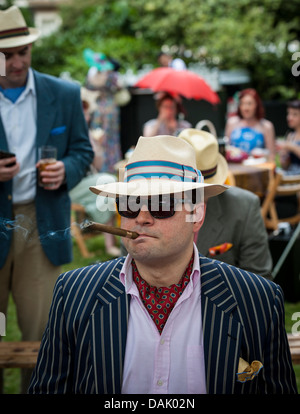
(197, 216)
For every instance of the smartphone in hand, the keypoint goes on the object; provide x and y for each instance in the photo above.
(6, 154)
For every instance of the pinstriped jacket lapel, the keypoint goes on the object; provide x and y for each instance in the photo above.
(109, 333)
(221, 332)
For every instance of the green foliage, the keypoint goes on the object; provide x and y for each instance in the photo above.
(249, 34)
(98, 25)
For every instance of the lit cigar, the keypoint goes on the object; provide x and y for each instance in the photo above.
(110, 229)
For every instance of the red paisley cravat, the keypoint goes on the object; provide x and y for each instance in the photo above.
(160, 301)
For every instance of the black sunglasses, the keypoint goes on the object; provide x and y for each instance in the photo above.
(160, 206)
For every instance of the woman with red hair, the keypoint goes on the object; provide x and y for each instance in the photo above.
(249, 129)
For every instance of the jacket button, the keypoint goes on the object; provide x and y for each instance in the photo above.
(9, 196)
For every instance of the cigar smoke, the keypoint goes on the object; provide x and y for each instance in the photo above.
(22, 226)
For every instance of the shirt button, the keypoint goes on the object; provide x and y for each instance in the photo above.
(162, 341)
(160, 383)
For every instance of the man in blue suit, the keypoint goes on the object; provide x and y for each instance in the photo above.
(164, 319)
(36, 110)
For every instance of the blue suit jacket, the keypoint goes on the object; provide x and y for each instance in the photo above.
(60, 122)
(83, 347)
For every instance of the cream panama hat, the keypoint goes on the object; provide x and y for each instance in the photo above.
(13, 29)
(160, 165)
(210, 162)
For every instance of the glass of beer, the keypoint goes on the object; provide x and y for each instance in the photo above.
(47, 155)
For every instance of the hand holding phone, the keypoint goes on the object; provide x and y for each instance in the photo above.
(6, 154)
(10, 168)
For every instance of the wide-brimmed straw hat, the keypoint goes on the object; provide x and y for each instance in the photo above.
(210, 162)
(160, 165)
(13, 29)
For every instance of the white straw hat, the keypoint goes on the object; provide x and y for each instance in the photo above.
(160, 165)
(210, 162)
(13, 29)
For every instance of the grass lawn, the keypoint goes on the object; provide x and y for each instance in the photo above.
(95, 245)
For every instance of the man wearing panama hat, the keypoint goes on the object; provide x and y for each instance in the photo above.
(14, 31)
(232, 218)
(36, 110)
(164, 319)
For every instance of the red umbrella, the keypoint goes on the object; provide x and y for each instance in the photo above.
(182, 82)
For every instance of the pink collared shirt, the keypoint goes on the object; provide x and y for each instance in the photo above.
(170, 363)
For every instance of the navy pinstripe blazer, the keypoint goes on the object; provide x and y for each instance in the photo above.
(83, 347)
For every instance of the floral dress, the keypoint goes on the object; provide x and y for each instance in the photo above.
(107, 117)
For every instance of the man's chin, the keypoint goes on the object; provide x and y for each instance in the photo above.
(16, 80)
(143, 256)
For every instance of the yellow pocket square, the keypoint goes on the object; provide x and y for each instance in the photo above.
(246, 371)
